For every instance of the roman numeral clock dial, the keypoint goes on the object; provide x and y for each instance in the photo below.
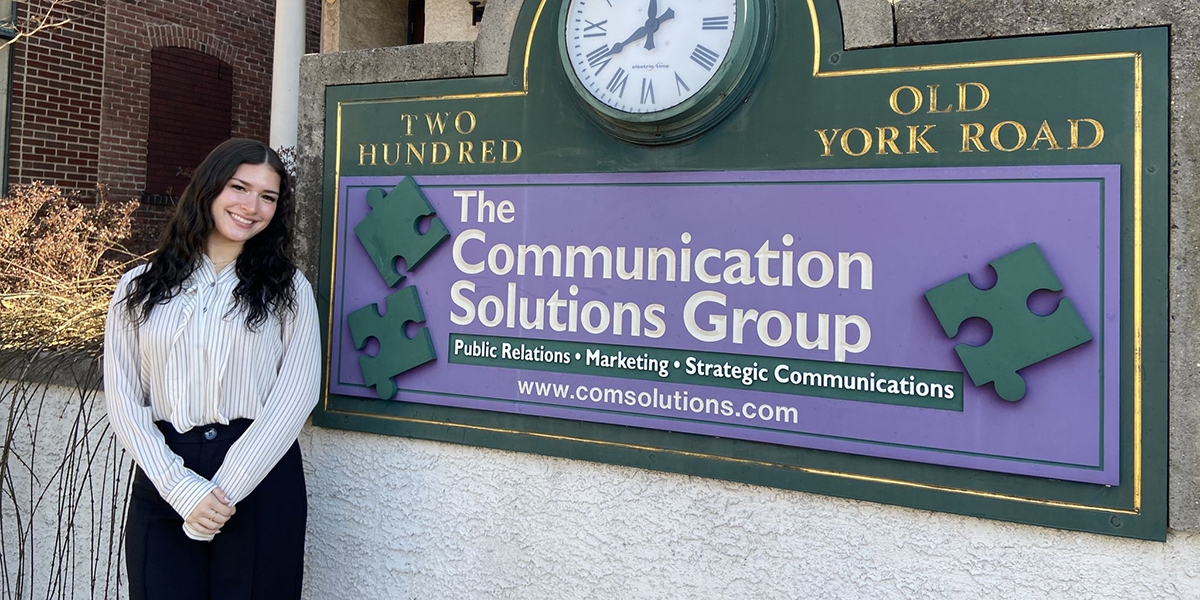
(644, 56)
(649, 67)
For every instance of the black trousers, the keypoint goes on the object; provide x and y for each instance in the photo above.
(259, 553)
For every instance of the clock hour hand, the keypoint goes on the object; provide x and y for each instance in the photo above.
(645, 31)
(637, 34)
(666, 16)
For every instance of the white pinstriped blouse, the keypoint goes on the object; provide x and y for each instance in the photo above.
(194, 363)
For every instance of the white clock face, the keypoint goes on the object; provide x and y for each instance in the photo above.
(644, 56)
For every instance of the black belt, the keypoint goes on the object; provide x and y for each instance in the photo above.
(202, 434)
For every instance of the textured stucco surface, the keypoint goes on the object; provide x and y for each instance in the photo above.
(394, 518)
(61, 523)
(921, 21)
(400, 519)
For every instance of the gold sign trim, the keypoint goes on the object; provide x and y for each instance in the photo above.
(739, 461)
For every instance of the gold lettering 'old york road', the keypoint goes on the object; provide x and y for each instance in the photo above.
(977, 136)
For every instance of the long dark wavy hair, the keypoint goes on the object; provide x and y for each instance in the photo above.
(264, 268)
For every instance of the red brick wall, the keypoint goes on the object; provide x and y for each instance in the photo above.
(191, 101)
(80, 94)
(312, 22)
(238, 32)
(56, 96)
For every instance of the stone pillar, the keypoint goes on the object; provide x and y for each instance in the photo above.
(449, 21)
(285, 78)
(362, 24)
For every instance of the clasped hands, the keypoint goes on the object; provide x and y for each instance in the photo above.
(211, 514)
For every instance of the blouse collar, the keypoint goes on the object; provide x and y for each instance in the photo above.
(206, 272)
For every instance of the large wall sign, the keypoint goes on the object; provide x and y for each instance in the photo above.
(703, 239)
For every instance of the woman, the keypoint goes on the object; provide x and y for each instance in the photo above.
(211, 366)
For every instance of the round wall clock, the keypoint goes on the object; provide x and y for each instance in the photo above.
(662, 71)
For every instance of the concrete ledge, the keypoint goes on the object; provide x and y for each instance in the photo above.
(72, 370)
(444, 60)
(867, 23)
(398, 63)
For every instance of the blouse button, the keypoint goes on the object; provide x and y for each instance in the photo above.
(210, 434)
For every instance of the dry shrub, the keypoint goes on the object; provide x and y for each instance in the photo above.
(63, 478)
(59, 263)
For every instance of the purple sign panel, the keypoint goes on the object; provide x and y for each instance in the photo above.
(785, 307)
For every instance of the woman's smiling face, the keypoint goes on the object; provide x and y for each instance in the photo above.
(245, 205)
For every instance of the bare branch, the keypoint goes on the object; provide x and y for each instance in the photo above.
(49, 20)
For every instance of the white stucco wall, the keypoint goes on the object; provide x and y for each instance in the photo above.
(400, 519)
(55, 544)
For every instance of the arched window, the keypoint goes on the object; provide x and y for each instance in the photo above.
(191, 112)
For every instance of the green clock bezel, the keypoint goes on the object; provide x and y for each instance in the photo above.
(708, 106)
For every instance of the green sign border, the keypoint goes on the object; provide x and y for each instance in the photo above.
(1136, 508)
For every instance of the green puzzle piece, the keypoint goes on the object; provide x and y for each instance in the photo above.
(390, 229)
(397, 352)
(1019, 337)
